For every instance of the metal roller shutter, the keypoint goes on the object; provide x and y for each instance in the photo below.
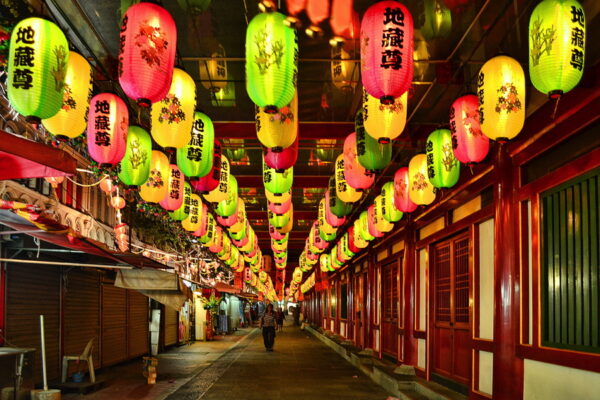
(137, 327)
(171, 326)
(32, 290)
(114, 324)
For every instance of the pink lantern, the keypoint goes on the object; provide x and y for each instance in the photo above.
(402, 199)
(318, 241)
(284, 159)
(373, 231)
(386, 51)
(470, 144)
(175, 185)
(280, 208)
(242, 242)
(147, 53)
(317, 11)
(211, 180)
(108, 121)
(275, 234)
(356, 175)
(227, 221)
(311, 256)
(330, 217)
(117, 202)
(351, 245)
(203, 222)
(344, 21)
(217, 244)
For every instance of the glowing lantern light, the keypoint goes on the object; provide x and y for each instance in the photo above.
(501, 89)
(107, 185)
(556, 46)
(318, 242)
(338, 207)
(135, 166)
(386, 35)
(363, 226)
(38, 59)
(216, 244)
(204, 215)
(390, 212)
(209, 232)
(326, 236)
(384, 122)
(345, 247)
(227, 221)
(317, 11)
(279, 208)
(278, 197)
(239, 234)
(420, 190)
(443, 168)
(331, 218)
(175, 187)
(70, 121)
(402, 199)
(325, 226)
(240, 220)
(228, 207)
(192, 222)
(211, 180)
(213, 72)
(147, 53)
(470, 144)
(173, 116)
(344, 21)
(108, 121)
(381, 223)
(221, 192)
(226, 96)
(345, 71)
(277, 182)
(196, 158)
(278, 221)
(372, 155)
(437, 20)
(271, 61)
(288, 227)
(278, 130)
(356, 237)
(356, 175)
(281, 160)
(294, 7)
(155, 187)
(54, 181)
(344, 191)
(372, 221)
(184, 210)
(117, 202)
(325, 262)
(275, 234)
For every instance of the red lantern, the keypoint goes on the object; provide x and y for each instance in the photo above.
(210, 181)
(386, 51)
(351, 245)
(147, 53)
(373, 231)
(344, 21)
(117, 202)
(402, 199)
(54, 181)
(275, 234)
(318, 241)
(280, 208)
(107, 185)
(108, 121)
(175, 187)
(227, 221)
(356, 175)
(203, 222)
(317, 11)
(331, 218)
(294, 7)
(284, 159)
(470, 144)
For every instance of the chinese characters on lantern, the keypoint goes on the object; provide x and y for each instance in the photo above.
(195, 153)
(24, 57)
(102, 122)
(577, 37)
(392, 38)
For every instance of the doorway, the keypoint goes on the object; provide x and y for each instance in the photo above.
(358, 310)
(390, 307)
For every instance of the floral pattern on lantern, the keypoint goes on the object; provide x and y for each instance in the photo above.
(134, 169)
(468, 141)
(155, 187)
(278, 130)
(443, 169)
(384, 122)
(402, 199)
(420, 190)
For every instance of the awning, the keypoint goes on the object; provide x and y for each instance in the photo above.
(22, 158)
(165, 287)
(225, 288)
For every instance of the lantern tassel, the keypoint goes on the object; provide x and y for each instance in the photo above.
(555, 107)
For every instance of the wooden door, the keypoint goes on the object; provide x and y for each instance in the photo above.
(451, 341)
(389, 308)
(358, 310)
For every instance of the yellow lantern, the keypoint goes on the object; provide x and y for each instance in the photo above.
(278, 198)
(213, 72)
(421, 191)
(501, 91)
(323, 224)
(193, 221)
(345, 72)
(172, 117)
(380, 222)
(384, 122)
(288, 227)
(279, 130)
(155, 187)
(345, 192)
(71, 119)
(221, 192)
(240, 222)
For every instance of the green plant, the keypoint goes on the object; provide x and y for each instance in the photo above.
(212, 303)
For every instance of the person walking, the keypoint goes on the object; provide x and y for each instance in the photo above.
(267, 324)
(280, 319)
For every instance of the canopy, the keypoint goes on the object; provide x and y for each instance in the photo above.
(165, 287)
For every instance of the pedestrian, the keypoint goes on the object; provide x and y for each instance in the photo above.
(280, 319)
(267, 324)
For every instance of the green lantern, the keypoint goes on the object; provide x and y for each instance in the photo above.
(278, 221)
(363, 228)
(328, 237)
(372, 155)
(228, 207)
(134, 168)
(224, 97)
(436, 20)
(390, 212)
(239, 235)
(271, 61)
(210, 230)
(556, 46)
(277, 182)
(37, 60)
(443, 168)
(345, 247)
(182, 212)
(196, 158)
(337, 207)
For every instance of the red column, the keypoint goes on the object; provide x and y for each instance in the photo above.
(408, 271)
(370, 304)
(508, 368)
(2, 300)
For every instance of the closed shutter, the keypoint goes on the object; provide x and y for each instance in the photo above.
(114, 324)
(82, 313)
(32, 290)
(138, 324)
(171, 326)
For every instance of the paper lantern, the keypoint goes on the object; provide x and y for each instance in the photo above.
(362, 225)
(469, 143)
(317, 11)
(382, 224)
(356, 175)
(173, 116)
(117, 202)
(331, 218)
(443, 169)
(184, 210)
(240, 220)
(421, 191)
(271, 61)
(226, 96)
(356, 237)
(501, 90)
(155, 187)
(211, 180)
(227, 221)
(278, 221)
(372, 154)
(294, 7)
(556, 46)
(275, 234)
(384, 122)
(325, 226)
(290, 224)
(279, 208)
(345, 247)
(216, 244)
(326, 236)
(134, 169)
(281, 160)
(275, 245)
(390, 212)
(173, 200)
(192, 222)
(107, 185)
(213, 72)
(279, 198)
(278, 130)
(239, 234)
(344, 191)
(402, 199)
(147, 53)
(107, 125)
(70, 121)
(228, 207)
(436, 20)
(204, 221)
(338, 207)
(325, 262)
(345, 22)
(196, 157)
(345, 70)
(210, 228)
(316, 239)
(37, 59)
(221, 192)
(54, 181)
(277, 182)
(386, 34)
(372, 223)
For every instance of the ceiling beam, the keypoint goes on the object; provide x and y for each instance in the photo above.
(300, 214)
(307, 130)
(300, 181)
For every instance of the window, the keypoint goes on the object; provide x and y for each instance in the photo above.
(344, 301)
(332, 301)
(570, 237)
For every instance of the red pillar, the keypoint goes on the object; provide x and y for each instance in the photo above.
(408, 271)
(508, 368)
(370, 306)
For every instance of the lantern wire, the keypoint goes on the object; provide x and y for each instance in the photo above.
(87, 185)
(555, 107)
